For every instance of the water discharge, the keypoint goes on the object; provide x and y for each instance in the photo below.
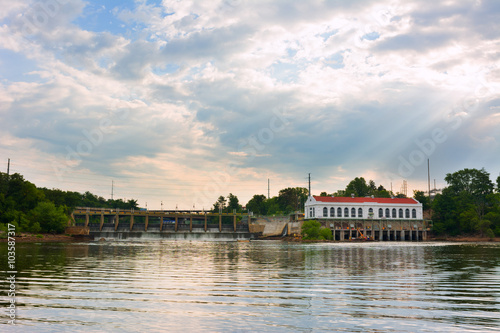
(157, 286)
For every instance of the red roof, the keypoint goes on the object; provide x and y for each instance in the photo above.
(406, 201)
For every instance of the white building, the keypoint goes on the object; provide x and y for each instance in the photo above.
(363, 208)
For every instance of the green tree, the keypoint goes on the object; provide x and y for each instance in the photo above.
(257, 204)
(474, 183)
(233, 204)
(462, 206)
(326, 234)
(423, 199)
(358, 187)
(219, 205)
(49, 217)
(292, 199)
(310, 229)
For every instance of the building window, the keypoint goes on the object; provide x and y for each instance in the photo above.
(387, 213)
(380, 212)
(360, 212)
(310, 212)
(346, 212)
(325, 212)
(332, 212)
(400, 213)
(407, 213)
(353, 212)
(339, 212)
(394, 213)
(370, 212)
(414, 213)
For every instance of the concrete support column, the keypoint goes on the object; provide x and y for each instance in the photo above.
(176, 222)
(87, 218)
(234, 222)
(102, 222)
(131, 221)
(190, 222)
(161, 222)
(147, 221)
(342, 235)
(117, 220)
(220, 223)
(205, 222)
(402, 235)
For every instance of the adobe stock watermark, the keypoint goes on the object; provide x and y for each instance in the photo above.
(233, 3)
(249, 148)
(426, 147)
(38, 16)
(92, 139)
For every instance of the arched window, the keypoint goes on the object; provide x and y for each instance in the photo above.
(339, 212)
(346, 212)
(380, 212)
(325, 212)
(394, 213)
(407, 213)
(370, 212)
(414, 213)
(387, 213)
(353, 212)
(400, 213)
(360, 212)
(332, 212)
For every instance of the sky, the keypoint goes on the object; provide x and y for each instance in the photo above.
(174, 103)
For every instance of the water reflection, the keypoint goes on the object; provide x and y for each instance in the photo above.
(257, 286)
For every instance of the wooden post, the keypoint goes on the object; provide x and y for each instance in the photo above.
(131, 220)
(205, 222)
(176, 222)
(220, 222)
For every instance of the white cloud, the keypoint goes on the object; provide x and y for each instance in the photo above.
(190, 87)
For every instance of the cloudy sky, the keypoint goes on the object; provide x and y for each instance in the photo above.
(182, 101)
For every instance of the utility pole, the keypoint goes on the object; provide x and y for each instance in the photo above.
(429, 178)
(268, 188)
(8, 167)
(309, 184)
(112, 188)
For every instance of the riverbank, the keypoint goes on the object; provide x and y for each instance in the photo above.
(46, 238)
(463, 238)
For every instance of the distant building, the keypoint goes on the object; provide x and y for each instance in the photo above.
(363, 208)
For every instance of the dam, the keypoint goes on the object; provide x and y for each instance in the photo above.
(140, 224)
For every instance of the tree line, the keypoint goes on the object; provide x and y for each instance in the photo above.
(469, 204)
(35, 210)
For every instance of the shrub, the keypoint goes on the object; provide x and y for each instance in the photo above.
(310, 229)
(325, 233)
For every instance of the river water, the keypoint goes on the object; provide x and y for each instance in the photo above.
(261, 286)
